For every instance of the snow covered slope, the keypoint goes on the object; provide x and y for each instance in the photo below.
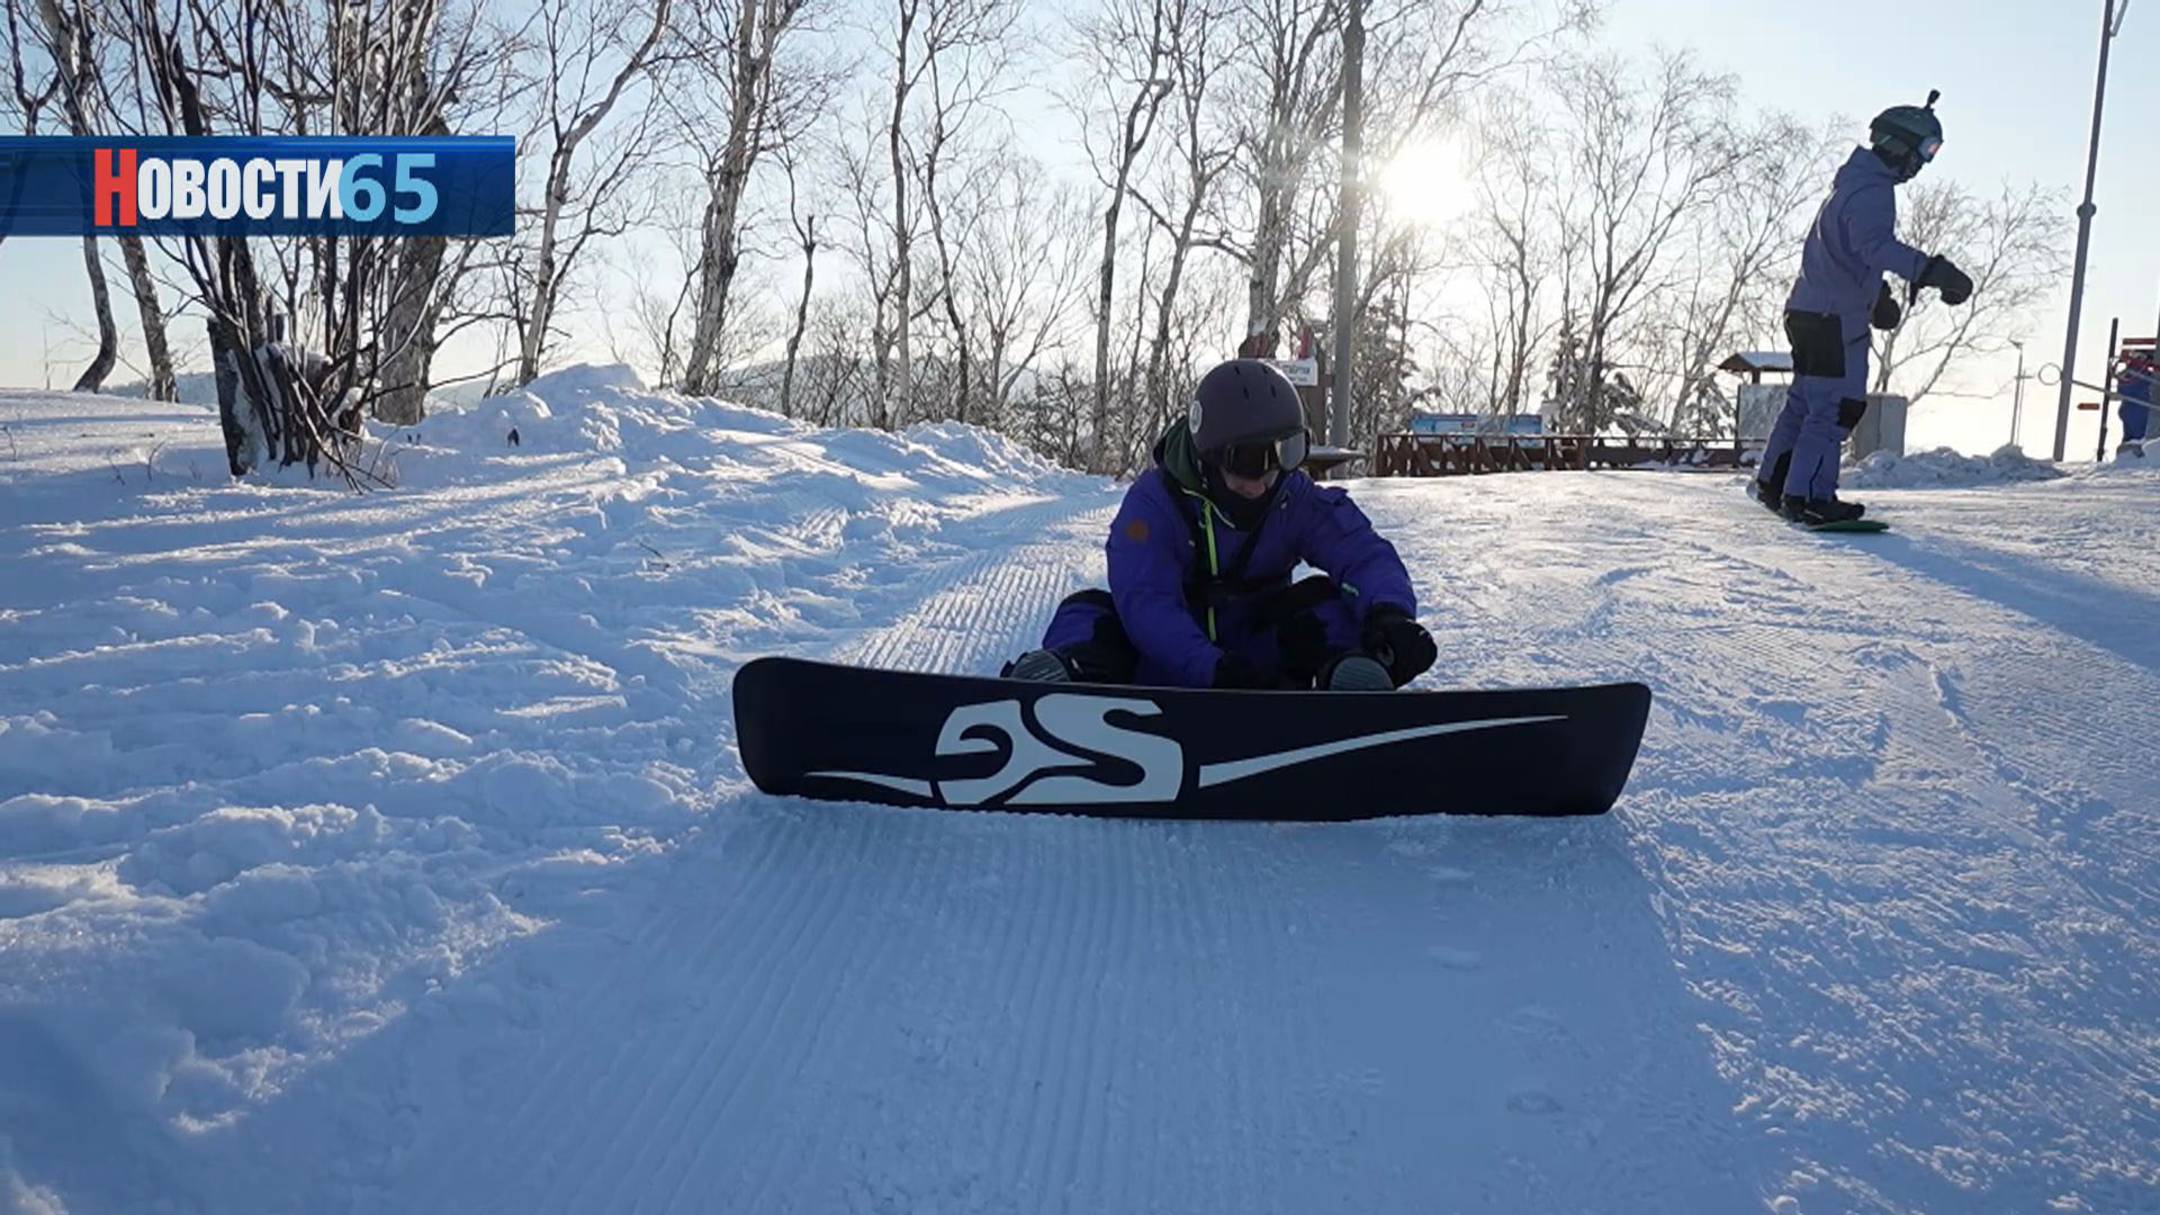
(389, 853)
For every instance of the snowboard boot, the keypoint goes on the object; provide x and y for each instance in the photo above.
(2132, 450)
(1039, 666)
(1357, 673)
(1814, 511)
(1770, 490)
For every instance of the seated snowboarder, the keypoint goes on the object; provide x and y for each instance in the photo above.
(1841, 292)
(1201, 556)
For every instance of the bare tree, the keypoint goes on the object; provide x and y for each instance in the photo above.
(304, 332)
(1189, 182)
(1643, 159)
(1022, 278)
(743, 80)
(1287, 58)
(957, 197)
(944, 60)
(66, 36)
(2013, 246)
(806, 238)
(1746, 247)
(30, 90)
(870, 241)
(83, 56)
(958, 49)
(590, 58)
(1510, 247)
(1128, 46)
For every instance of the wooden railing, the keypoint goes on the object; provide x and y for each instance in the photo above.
(1412, 455)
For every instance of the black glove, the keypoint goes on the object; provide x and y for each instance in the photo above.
(1235, 671)
(1399, 643)
(1956, 287)
(1887, 313)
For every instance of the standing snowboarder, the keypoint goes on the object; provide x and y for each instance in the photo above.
(2135, 386)
(1840, 293)
(1201, 555)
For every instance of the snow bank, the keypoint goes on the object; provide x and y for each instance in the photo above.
(1944, 467)
(277, 763)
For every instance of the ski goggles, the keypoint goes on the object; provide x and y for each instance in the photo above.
(1254, 460)
(1928, 148)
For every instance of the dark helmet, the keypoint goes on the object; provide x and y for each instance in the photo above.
(1245, 418)
(1243, 401)
(1907, 136)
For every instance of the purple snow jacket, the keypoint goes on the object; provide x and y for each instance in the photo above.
(1156, 550)
(1853, 244)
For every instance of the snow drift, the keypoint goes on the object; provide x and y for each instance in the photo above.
(1944, 467)
(277, 764)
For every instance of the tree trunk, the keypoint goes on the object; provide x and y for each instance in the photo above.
(721, 253)
(716, 271)
(1158, 393)
(547, 282)
(1260, 318)
(410, 334)
(1129, 148)
(1338, 419)
(802, 316)
(225, 361)
(108, 350)
(902, 385)
(164, 385)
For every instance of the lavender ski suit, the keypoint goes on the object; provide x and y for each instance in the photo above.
(1852, 245)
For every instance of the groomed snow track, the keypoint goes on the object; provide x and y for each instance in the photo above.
(1875, 928)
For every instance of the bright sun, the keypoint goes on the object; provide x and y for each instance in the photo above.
(1427, 183)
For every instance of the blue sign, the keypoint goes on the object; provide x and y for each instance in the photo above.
(245, 185)
(1475, 424)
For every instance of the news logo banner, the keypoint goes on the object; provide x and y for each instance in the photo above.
(462, 186)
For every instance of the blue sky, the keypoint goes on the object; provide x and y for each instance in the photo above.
(2016, 77)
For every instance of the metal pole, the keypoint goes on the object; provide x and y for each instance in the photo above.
(2085, 213)
(2017, 396)
(1353, 154)
(2114, 341)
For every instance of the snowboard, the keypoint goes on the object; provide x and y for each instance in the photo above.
(856, 734)
(1850, 525)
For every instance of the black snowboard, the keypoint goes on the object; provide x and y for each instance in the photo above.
(853, 734)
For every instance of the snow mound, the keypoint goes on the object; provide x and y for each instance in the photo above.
(1944, 467)
(279, 763)
(2143, 460)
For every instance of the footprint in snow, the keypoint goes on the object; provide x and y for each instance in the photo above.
(1533, 1101)
(1455, 959)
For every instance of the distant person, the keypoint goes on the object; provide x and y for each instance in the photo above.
(1840, 293)
(1201, 557)
(2134, 384)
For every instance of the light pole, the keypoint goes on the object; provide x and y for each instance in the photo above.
(2110, 26)
(1353, 167)
(2017, 396)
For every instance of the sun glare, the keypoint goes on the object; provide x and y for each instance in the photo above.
(1427, 183)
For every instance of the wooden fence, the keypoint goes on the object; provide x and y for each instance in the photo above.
(1412, 455)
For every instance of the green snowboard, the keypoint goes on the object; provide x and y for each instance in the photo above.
(1849, 525)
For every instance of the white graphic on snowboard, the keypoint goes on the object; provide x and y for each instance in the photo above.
(1073, 729)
